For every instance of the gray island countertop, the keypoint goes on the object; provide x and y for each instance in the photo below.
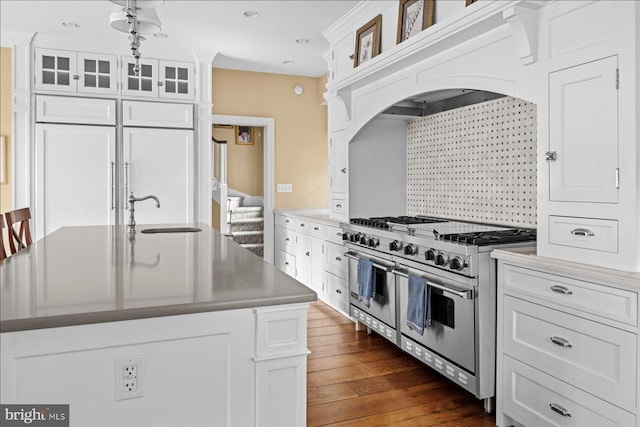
(94, 274)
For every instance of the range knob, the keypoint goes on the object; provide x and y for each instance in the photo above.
(457, 263)
(346, 236)
(363, 240)
(373, 242)
(442, 259)
(395, 246)
(410, 249)
(430, 255)
(355, 237)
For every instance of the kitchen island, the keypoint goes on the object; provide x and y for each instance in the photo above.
(217, 336)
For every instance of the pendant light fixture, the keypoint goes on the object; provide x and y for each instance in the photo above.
(138, 18)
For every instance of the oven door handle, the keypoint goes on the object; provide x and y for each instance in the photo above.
(466, 294)
(387, 268)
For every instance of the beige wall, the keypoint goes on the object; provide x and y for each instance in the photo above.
(300, 128)
(6, 197)
(244, 162)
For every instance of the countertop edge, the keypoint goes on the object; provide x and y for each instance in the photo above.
(80, 319)
(317, 214)
(527, 257)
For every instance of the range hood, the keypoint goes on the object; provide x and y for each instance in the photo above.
(434, 102)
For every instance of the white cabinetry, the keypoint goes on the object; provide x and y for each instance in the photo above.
(311, 251)
(338, 175)
(160, 162)
(567, 348)
(82, 72)
(75, 166)
(158, 79)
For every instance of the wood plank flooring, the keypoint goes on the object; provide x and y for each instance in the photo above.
(356, 379)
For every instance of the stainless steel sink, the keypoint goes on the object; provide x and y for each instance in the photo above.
(171, 230)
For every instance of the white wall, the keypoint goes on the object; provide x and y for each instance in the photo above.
(377, 164)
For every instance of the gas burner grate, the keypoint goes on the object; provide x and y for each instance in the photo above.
(386, 222)
(484, 238)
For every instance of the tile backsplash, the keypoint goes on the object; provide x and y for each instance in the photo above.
(475, 163)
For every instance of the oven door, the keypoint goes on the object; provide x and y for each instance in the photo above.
(382, 304)
(452, 330)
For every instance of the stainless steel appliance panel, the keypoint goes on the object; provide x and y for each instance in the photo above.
(452, 332)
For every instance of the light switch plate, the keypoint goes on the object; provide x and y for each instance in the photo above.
(285, 188)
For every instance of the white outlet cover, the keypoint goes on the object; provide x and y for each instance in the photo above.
(129, 381)
(285, 188)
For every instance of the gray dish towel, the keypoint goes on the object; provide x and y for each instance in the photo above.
(366, 280)
(419, 304)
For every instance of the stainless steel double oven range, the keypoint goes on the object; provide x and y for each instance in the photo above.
(453, 258)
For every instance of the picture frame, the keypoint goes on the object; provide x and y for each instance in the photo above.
(244, 135)
(3, 159)
(222, 126)
(368, 41)
(469, 2)
(413, 17)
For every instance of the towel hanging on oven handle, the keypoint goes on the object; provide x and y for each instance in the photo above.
(466, 294)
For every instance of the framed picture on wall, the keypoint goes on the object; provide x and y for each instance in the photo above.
(244, 135)
(413, 17)
(3, 160)
(368, 41)
(469, 2)
(223, 126)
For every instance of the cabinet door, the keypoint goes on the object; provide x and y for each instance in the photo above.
(583, 132)
(74, 176)
(176, 80)
(145, 83)
(159, 162)
(97, 73)
(56, 70)
(338, 159)
(303, 259)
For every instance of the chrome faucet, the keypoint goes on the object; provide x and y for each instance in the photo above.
(132, 200)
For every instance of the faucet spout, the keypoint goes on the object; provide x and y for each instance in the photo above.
(132, 199)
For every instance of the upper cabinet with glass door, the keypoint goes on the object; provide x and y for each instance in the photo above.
(158, 79)
(78, 72)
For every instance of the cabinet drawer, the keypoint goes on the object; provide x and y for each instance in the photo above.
(333, 234)
(585, 233)
(288, 222)
(334, 259)
(288, 240)
(287, 263)
(337, 290)
(338, 206)
(591, 298)
(530, 396)
(60, 109)
(157, 114)
(313, 228)
(594, 357)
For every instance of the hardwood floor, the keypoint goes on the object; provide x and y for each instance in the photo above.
(356, 379)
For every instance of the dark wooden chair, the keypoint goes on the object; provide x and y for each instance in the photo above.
(22, 238)
(3, 253)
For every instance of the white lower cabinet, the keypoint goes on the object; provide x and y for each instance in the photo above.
(311, 251)
(567, 349)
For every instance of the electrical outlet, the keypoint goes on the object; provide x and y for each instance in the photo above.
(129, 371)
(285, 188)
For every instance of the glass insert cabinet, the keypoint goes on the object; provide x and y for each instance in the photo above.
(158, 79)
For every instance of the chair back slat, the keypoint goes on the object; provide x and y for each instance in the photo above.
(3, 253)
(22, 238)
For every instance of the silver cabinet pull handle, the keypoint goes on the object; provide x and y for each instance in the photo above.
(338, 205)
(287, 221)
(338, 258)
(287, 239)
(286, 263)
(302, 225)
(343, 170)
(561, 342)
(338, 291)
(316, 228)
(113, 185)
(582, 232)
(76, 77)
(561, 289)
(339, 234)
(560, 410)
(308, 254)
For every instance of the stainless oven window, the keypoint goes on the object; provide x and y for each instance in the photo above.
(443, 309)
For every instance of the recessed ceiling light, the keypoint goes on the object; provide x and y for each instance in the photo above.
(288, 62)
(161, 35)
(70, 25)
(251, 14)
(302, 41)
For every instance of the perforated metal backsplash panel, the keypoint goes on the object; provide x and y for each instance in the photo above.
(476, 163)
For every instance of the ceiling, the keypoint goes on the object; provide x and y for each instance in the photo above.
(253, 44)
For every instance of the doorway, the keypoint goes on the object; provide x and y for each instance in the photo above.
(260, 131)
